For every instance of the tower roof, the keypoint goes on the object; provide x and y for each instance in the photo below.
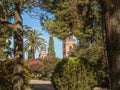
(43, 52)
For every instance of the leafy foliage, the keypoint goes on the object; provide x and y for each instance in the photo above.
(49, 66)
(94, 58)
(71, 74)
(83, 20)
(36, 66)
(6, 74)
(43, 68)
(5, 34)
(14, 8)
(73, 18)
(65, 21)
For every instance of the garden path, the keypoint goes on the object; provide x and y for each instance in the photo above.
(41, 85)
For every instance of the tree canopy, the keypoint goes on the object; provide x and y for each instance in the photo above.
(73, 17)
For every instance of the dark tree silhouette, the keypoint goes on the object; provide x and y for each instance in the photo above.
(111, 16)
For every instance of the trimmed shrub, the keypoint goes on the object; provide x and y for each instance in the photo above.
(71, 74)
(94, 59)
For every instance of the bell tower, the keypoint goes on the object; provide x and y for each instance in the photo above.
(68, 45)
(43, 53)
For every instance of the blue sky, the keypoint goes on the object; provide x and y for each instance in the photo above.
(35, 24)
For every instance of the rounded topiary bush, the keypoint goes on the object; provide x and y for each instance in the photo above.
(71, 74)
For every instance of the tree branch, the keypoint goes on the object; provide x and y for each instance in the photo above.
(4, 11)
(6, 23)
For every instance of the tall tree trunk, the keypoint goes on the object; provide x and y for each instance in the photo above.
(18, 79)
(29, 55)
(112, 29)
(33, 53)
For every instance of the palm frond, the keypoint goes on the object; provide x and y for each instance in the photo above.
(33, 40)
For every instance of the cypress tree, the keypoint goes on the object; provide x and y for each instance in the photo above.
(51, 51)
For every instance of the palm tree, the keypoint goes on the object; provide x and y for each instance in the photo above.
(32, 42)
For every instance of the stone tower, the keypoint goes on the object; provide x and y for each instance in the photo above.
(68, 44)
(43, 53)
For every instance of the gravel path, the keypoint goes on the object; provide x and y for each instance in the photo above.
(47, 85)
(41, 85)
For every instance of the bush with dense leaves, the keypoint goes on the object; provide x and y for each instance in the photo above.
(48, 68)
(93, 58)
(96, 58)
(36, 67)
(6, 74)
(71, 74)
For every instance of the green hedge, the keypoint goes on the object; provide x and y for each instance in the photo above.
(71, 74)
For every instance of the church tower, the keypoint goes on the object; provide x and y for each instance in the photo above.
(68, 44)
(43, 53)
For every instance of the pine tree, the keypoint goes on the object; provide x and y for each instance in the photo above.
(51, 51)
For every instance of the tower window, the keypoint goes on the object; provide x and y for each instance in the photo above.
(70, 48)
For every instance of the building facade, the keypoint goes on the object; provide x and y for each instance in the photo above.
(68, 45)
(43, 53)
